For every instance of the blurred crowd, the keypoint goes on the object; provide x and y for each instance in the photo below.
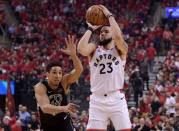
(39, 36)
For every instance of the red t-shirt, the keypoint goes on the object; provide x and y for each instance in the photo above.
(151, 53)
(16, 127)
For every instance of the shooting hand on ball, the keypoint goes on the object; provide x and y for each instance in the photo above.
(105, 10)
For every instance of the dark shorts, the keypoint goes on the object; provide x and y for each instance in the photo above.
(65, 125)
(58, 128)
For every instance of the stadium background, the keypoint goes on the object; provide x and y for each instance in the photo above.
(33, 31)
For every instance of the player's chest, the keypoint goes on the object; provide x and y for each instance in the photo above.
(106, 57)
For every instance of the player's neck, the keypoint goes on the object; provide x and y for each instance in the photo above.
(53, 87)
(109, 45)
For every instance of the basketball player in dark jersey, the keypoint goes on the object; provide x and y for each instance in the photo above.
(51, 93)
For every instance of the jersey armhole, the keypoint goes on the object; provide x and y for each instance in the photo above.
(44, 86)
(119, 53)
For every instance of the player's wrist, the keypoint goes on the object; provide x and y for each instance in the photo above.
(62, 109)
(54, 113)
(109, 15)
(90, 29)
(73, 56)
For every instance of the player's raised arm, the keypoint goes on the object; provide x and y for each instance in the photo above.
(116, 33)
(78, 68)
(84, 47)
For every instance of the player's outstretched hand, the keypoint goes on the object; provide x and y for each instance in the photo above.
(71, 108)
(71, 43)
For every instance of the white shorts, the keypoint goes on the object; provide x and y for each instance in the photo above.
(112, 107)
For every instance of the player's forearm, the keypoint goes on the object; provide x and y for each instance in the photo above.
(116, 31)
(117, 35)
(83, 43)
(77, 64)
(51, 109)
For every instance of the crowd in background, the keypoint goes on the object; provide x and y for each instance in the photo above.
(39, 36)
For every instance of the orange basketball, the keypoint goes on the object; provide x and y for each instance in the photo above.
(95, 16)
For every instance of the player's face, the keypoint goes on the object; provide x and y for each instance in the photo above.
(55, 75)
(105, 33)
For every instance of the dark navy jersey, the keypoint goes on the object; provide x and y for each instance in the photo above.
(57, 97)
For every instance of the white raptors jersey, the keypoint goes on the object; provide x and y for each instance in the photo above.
(107, 71)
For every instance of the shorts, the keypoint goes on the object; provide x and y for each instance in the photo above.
(66, 125)
(111, 107)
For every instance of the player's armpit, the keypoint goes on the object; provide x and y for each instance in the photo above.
(122, 48)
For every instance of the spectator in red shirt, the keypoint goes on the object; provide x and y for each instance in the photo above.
(16, 126)
(151, 52)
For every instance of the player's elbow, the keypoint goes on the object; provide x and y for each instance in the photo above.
(45, 109)
(79, 50)
(121, 45)
(81, 69)
(82, 51)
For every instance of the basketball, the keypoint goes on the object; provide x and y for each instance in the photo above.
(95, 16)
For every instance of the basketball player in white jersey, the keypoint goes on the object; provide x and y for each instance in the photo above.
(107, 60)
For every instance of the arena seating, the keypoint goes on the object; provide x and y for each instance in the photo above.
(40, 35)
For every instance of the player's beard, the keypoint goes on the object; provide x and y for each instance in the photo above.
(105, 41)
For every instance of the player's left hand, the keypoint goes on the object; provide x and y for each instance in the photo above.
(71, 108)
(71, 43)
(94, 27)
(105, 10)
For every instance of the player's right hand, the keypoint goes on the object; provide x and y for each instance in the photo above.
(105, 10)
(94, 27)
(71, 108)
(71, 43)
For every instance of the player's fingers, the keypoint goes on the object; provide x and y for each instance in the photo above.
(74, 105)
(101, 7)
(64, 51)
(69, 39)
(76, 41)
(66, 41)
(89, 24)
(98, 26)
(73, 110)
(73, 39)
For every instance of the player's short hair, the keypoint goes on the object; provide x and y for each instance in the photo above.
(52, 64)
